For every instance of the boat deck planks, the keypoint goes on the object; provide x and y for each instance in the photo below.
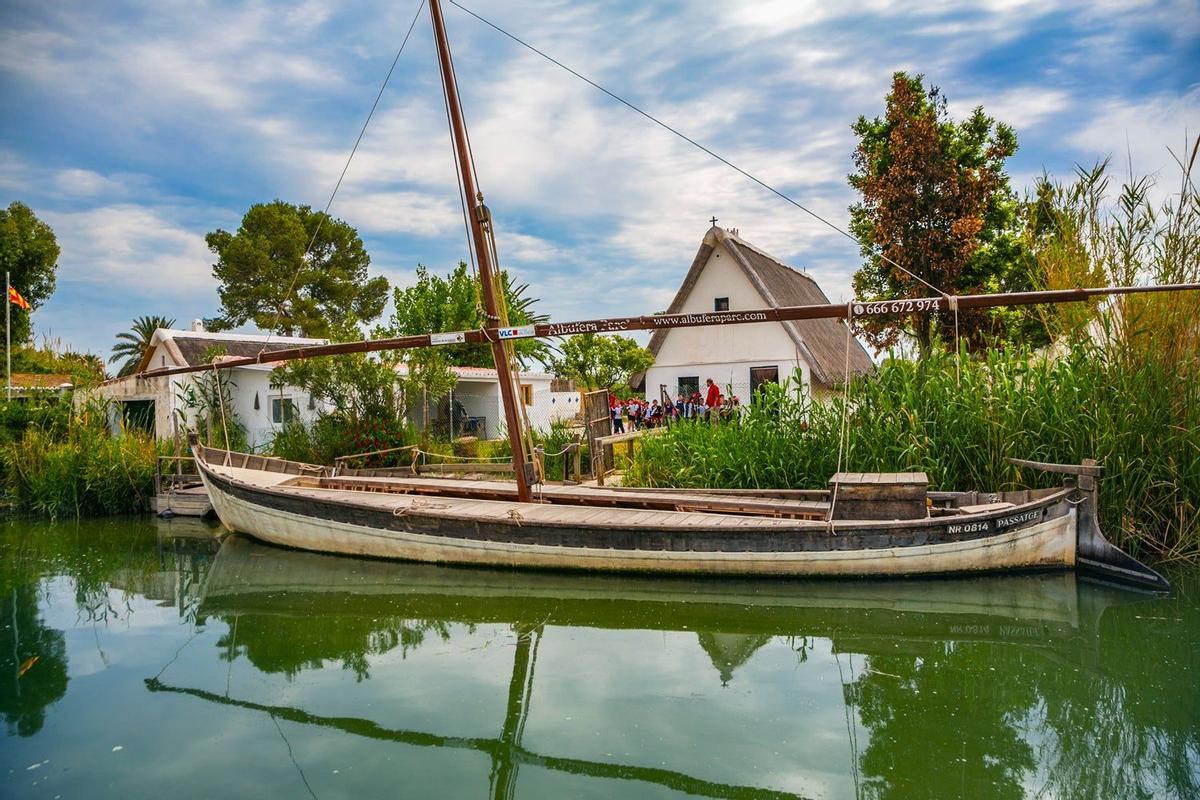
(492, 511)
(561, 496)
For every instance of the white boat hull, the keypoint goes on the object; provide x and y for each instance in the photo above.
(1042, 545)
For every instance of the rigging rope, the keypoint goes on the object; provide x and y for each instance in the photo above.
(338, 185)
(221, 401)
(462, 192)
(844, 427)
(692, 142)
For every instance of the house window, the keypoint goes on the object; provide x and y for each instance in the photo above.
(721, 304)
(527, 394)
(689, 385)
(761, 375)
(283, 410)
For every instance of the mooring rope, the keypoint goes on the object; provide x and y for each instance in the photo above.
(479, 459)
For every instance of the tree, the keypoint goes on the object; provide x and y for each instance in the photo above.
(435, 305)
(359, 388)
(361, 402)
(601, 362)
(132, 344)
(41, 650)
(936, 201)
(29, 253)
(267, 256)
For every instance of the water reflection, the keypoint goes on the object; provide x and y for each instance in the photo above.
(951, 676)
(27, 643)
(523, 684)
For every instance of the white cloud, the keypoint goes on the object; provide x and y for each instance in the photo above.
(1139, 135)
(132, 246)
(521, 248)
(413, 213)
(1022, 107)
(81, 183)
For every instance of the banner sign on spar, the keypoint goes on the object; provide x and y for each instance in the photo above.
(457, 337)
(523, 332)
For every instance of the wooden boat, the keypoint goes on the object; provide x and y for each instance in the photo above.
(868, 525)
(581, 528)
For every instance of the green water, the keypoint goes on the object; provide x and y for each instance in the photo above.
(170, 666)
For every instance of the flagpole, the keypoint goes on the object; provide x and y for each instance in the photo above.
(7, 336)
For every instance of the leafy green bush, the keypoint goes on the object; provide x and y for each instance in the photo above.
(49, 414)
(555, 440)
(332, 436)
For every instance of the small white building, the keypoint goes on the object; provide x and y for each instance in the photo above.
(480, 408)
(730, 274)
(159, 403)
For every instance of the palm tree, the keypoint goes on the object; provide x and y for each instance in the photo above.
(133, 343)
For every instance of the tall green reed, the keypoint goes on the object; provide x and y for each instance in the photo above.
(78, 468)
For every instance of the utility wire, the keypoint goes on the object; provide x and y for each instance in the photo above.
(345, 169)
(689, 140)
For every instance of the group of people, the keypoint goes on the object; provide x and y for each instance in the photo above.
(636, 414)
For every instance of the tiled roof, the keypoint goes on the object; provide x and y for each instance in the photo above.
(191, 348)
(35, 380)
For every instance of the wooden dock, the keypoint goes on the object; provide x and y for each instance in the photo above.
(178, 491)
(191, 501)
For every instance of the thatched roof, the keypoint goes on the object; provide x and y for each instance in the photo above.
(821, 341)
(728, 651)
(192, 348)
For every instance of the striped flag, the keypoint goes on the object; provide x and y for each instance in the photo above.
(15, 298)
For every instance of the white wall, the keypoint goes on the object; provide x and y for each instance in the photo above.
(244, 383)
(259, 427)
(478, 398)
(550, 407)
(724, 354)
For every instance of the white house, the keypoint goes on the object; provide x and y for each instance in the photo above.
(159, 404)
(480, 413)
(730, 274)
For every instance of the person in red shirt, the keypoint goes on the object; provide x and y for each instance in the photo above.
(713, 393)
(711, 399)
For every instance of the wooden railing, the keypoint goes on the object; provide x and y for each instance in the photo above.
(172, 473)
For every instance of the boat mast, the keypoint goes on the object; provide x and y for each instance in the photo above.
(478, 218)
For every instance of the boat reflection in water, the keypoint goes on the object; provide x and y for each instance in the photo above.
(979, 687)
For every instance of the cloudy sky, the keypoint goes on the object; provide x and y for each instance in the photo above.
(135, 128)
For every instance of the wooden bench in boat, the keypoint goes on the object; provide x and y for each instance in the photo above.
(879, 495)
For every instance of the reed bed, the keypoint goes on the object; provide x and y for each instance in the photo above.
(87, 473)
(1139, 417)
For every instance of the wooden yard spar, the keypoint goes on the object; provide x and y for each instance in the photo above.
(846, 311)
